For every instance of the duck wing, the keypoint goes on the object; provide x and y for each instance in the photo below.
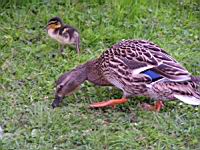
(140, 56)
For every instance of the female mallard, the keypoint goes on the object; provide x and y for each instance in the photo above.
(138, 68)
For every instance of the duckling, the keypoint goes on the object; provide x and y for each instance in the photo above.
(138, 68)
(64, 34)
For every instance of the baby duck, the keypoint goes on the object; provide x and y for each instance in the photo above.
(64, 34)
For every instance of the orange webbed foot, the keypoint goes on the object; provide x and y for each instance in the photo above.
(156, 107)
(111, 103)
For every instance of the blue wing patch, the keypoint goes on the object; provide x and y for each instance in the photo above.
(153, 75)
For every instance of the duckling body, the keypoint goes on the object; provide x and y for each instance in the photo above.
(64, 34)
(138, 68)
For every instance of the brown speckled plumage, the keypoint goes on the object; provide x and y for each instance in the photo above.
(124, 66)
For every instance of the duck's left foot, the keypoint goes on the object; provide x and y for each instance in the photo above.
(111, 103)
(156, 107)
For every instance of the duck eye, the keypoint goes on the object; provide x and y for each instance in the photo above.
(57, 23)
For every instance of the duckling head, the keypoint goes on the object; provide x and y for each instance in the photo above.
(54, 23)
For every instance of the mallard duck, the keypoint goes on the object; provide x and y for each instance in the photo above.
(138, 68)
(63, 33)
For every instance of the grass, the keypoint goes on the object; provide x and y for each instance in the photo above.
(31, 63)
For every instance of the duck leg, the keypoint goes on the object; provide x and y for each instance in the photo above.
(112, 103)
(62, 49)
(78, 45)
(156, 107)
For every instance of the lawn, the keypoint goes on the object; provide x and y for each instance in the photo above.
(31, 63)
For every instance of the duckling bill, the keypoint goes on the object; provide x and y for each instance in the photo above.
(137, 68)
(64, 34)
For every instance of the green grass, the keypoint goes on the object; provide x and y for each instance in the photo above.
(31, 63)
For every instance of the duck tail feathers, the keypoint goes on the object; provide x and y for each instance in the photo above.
(188, 100)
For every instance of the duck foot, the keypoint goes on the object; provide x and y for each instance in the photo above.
(112, 103)
(156, 107)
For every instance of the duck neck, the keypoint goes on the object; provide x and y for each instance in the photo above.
(94, 73)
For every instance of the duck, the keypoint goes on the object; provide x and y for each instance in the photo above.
(63, 33)
(137, 68)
